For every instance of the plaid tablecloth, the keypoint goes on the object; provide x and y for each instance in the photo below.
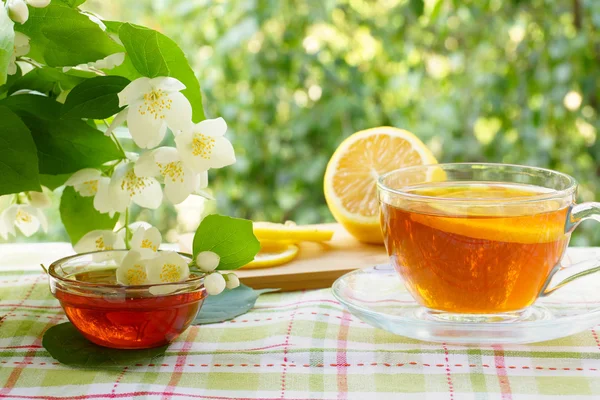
(300, 345)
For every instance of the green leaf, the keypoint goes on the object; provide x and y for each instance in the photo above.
(231, 238)
(66, 146)
(7, 40)
(153, 54)
(18, 155)
(46, 80)
(53, 181)
(31, 105)
(79, 216)
(113, 26)
(62, 36)
(95, 98)
(68, 346)
(437, 8)
(417, 6)
(72, 3)
(228, 304)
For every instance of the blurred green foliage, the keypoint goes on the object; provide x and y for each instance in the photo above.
(502, 81)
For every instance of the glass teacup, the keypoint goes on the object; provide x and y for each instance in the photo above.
(480, 242)
(123, 317)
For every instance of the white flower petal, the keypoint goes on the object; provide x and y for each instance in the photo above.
(27, 220)
(147, 130)
(42, 218)
(12, 66)
(185, 148)
(177, 192)
(83, 175)
(150, 196)
(211, 127)
(167, 267)
(165, 155)
(146, 241)
(21, 44)
(136, 238)
(3, 230)
(165, 289)
(223, 154)
(97, 240)
(214, 283)
(201, 150)
(118, 195)
(179, 114)
(202, 181)
(134, 91)
(103, 201)
(18, 11)
(8, 219)
(125, 186)
(39, 199)
(232, 281)
(85, 181)
(134, 226)
(132, 270)
(167, 84)
(38, 3)
(117, 121)
(114, 60)
(208, 261)
(146, 166)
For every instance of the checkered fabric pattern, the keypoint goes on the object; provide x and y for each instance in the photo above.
(300, 345)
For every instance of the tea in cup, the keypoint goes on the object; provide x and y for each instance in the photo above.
(479, 242)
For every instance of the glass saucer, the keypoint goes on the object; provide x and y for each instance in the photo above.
(377, 296)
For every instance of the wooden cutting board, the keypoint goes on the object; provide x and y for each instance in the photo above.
(316, 266)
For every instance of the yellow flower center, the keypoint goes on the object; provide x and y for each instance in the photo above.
(147, 244)
(133, 183)
(92, 186)
(202, 145)
(137, 275)
(100, 245)
(155, 103)
(169, 273)
(23, 217)
(173, 170)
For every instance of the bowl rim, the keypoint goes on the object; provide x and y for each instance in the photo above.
(55, 264)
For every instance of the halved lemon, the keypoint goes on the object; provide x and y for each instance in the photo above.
(351, 176)
(270, 231)
(273, 256)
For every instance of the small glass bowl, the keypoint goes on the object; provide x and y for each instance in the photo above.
(117, 316)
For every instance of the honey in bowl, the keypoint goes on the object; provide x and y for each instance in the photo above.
(125, 317)
(473, 259)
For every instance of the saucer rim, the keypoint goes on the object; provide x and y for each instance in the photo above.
(470, 325)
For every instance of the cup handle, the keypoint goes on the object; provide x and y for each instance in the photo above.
(561, 276)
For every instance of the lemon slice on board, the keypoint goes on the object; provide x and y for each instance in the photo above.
(273, 256)
(351, 177)
(290, 232)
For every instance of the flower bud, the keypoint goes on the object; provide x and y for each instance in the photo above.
(214, 283)
(207, 261)
(18, 11)
(38, 3)
(39, 199)
(231, 281)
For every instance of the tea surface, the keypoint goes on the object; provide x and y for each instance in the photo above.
(477, 257)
